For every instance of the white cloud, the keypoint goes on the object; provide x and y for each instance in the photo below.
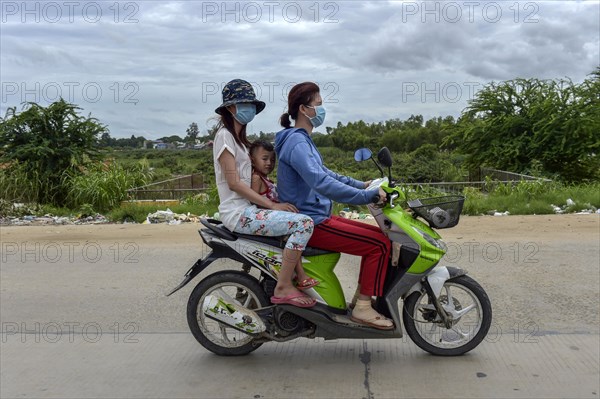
(160, 65)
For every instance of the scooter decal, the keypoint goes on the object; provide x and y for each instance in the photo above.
(269, 259)
(233, 315)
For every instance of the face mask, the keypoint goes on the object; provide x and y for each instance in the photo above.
(245, 113)
(319, 117)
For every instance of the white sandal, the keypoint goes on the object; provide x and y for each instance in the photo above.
(370, 317)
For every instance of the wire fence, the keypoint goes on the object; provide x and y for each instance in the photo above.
(483, 176)
(184, 186)
(171, 189)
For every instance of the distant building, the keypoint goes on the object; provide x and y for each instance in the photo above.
(159, 145)
(202, 146)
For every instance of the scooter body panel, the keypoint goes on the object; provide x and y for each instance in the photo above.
(330, 325)
(329, 290)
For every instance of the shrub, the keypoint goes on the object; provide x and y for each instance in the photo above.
(103, 187)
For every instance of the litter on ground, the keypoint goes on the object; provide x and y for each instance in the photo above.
(172, 218)
(355, 215)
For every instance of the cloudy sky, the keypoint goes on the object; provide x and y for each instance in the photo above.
(153, 67)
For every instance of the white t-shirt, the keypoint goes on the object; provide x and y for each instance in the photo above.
(232, 204)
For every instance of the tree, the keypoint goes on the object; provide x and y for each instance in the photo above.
(48, 144)
(212, 132)
(322, 140)
(133, 142)
(520, 124)
(171, 139)
(106, 140)
(192, 133)
(269, 137)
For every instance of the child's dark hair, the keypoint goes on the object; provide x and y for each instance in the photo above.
(260, 144)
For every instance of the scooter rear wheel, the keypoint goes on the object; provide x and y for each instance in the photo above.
(468, 305)
(238, 287)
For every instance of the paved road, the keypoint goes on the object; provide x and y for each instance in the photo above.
(83, 314)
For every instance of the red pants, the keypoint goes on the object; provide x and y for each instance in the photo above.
(357, 238)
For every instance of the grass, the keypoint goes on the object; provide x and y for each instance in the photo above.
(96, 189)
(533, 200)
(524, 199)
(103, 186)
(515, 201)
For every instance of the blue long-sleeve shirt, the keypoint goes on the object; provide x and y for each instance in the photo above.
(304, 181)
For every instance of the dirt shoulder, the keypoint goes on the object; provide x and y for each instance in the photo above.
(550, 227)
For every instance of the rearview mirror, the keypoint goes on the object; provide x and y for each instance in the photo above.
(384, 157)
(362, 154)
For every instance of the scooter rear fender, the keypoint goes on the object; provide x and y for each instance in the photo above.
(219, 250)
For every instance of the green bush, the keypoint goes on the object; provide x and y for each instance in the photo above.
(20, 184)
(42, 145)
(103, 187)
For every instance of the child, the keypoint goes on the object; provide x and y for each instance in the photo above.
(262, 155)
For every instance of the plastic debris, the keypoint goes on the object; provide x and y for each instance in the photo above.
(172, 218)
(48, 219)
(355, 215)
(557, 209)
(589, 211)
(568, 208)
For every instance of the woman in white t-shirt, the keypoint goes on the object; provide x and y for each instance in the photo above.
(242, 209)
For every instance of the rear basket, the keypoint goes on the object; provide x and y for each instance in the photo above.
(439, 212)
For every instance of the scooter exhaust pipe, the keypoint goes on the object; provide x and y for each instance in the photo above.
(233, 315)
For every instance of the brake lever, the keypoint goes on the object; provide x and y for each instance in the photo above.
(392, 198)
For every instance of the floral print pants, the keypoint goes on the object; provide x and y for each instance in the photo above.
(267, 222)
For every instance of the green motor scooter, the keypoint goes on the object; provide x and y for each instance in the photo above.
(442, 310)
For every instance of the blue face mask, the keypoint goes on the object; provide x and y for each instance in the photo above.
(319, 117)
(245, 113)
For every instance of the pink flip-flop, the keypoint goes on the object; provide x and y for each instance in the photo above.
(307, 283)
(292, 299)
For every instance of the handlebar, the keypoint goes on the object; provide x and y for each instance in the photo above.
(391, 196)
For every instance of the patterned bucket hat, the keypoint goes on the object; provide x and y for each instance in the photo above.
(239, 91)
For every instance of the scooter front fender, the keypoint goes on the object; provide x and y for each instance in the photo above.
(437, 278)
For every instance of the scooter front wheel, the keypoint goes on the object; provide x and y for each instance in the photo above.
(234, 287)
(467, 305)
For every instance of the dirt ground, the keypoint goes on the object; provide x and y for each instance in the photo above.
(542, 273)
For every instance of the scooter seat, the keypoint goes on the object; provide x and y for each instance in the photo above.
(217, 227)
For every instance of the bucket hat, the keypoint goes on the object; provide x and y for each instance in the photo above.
(239, 91)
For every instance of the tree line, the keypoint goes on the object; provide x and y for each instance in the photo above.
(542, 127)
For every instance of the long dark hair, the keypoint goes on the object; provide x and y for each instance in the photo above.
(226, 121)
(301, 94)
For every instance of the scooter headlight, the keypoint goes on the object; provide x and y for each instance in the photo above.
(442, 245)
(436, 243)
